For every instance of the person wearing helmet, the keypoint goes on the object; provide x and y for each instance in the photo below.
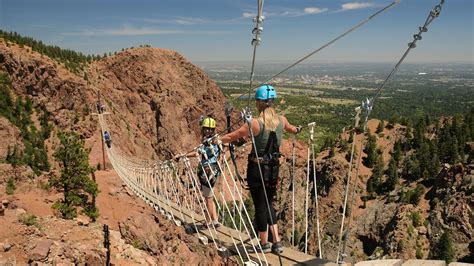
(267, 129)
(208, 170)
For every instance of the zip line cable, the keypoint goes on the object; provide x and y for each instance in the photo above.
(353, 28)
(256, 42)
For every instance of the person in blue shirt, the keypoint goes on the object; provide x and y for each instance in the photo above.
(208, 169)
(107, 139)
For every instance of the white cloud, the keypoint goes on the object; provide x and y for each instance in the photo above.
(314, 10)
(191, 21)
(187, 21)
(357, 5)
(289, 13)
(248, 15)
(132, 31)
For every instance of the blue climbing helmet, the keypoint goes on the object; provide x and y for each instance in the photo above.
(265, 92)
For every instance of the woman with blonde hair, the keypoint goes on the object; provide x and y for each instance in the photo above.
(263, 162)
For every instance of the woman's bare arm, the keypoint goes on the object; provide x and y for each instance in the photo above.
(242, 132)
(288, 127)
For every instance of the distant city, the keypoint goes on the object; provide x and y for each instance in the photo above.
(343, 74)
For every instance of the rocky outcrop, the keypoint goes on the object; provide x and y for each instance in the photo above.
(155, 97)
(41, 251)
(168, 243)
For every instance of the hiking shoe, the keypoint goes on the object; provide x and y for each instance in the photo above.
(216, 224)
(265, 248)
(277, 248)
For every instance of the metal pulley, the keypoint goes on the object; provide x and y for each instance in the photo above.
(436, 11)
(417, 37)
(412, 45)
(258, 19)
(257, 30)
(423, 29)
(256, 41)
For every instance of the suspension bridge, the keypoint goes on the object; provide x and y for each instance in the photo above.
(173, 188)
(162, 187)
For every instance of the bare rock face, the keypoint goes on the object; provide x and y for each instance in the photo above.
(162, 239)
(452, 204)
(40, 252)
(155, 98)
(21, 172)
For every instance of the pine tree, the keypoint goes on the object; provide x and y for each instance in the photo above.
(14, 156)
(374, 182)
(370, 150)
(380, 127)
(392, 172)
(75, 176)
(434, 163)
(453, 155)
(397, 151)
(424, 157)
(444, 249)
(419, 133)
(411, 168)
(392, 121)
(332, 152)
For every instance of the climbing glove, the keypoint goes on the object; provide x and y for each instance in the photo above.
(298, 129)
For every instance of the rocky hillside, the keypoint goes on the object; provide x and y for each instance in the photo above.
(405, 223)
(155, 98)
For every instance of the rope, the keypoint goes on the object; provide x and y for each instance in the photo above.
(224, 204)
(306, 207)
(349, 174)
(244, 209)
(236, 206)
(316, 194)
(293, 193)
(198, 197)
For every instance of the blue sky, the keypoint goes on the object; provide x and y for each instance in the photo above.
(220, 30)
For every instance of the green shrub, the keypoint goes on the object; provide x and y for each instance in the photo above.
(419, 253)
(401, 245)
(10, 186)
(28, 219)
(410, 229)
(415, 218)
(444, 248)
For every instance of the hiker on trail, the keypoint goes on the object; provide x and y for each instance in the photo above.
(267, 129)
(208, 170)
(107, 139)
